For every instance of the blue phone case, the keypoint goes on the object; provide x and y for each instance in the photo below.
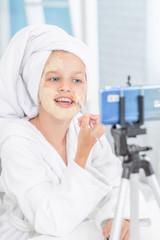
(110, 103)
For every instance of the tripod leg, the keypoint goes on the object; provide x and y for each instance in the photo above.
(152, 181)
(117, 221)
(134, 208)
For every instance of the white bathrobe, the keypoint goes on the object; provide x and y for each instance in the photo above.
(44, 195)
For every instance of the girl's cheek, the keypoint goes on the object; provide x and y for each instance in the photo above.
(50, 84)
(83, 97)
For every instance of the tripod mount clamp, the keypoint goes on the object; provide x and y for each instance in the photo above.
(124, 130)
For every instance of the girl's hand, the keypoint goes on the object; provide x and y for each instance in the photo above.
(124, 232)
(87, 139)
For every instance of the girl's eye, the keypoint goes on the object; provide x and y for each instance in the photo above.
(54, 79)
(77, 80)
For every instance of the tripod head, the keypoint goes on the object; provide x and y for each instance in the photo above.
(123, 131)
(120, 136)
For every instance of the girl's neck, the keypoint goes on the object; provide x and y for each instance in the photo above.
(54, 130)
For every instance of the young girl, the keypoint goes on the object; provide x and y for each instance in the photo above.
(55, 174)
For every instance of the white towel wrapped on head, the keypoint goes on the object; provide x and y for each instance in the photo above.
(22, 65)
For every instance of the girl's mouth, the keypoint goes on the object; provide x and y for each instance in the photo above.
(64, 101)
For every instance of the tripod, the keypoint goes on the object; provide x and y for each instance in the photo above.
(132, 163)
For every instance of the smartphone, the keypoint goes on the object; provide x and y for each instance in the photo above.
(110, 103)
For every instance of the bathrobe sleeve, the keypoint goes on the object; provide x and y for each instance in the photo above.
(52, 207)
(105, 162)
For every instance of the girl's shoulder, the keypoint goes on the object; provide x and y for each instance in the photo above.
(19, 128)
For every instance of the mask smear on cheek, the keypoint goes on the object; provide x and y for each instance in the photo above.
(47, 96)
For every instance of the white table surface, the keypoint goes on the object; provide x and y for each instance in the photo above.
(87, 230)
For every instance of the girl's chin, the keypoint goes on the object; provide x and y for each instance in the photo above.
(64, 113)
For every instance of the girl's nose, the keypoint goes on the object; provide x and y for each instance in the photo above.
(65, 86)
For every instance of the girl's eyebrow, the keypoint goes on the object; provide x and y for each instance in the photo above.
(56, 71)
(78, 72)
(51, 72)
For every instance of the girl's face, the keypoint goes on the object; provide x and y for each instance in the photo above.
(64, 77)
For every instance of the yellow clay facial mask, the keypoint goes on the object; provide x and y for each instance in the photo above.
(56, 100)
(47, 100)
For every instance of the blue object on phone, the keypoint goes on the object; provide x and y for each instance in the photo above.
(110, 103)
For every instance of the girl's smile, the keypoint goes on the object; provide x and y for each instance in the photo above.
(64, 101)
